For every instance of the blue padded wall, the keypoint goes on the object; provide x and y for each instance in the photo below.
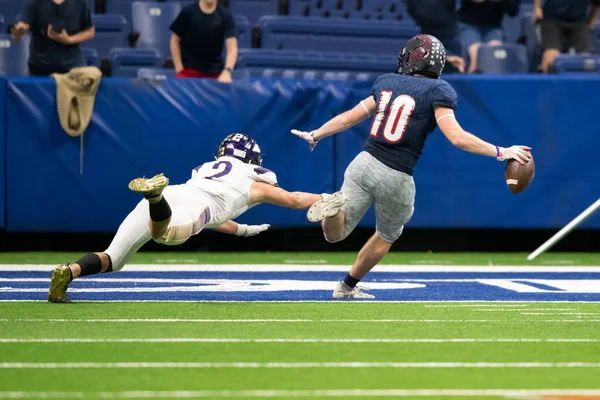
(2, 152)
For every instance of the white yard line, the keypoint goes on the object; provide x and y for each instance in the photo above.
(294, 365)
(477, 305)
(180, 394)
(523, 309)
(244, 321)
(286, 340)
(313, 268)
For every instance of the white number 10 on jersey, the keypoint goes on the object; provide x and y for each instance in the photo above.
(396, 121)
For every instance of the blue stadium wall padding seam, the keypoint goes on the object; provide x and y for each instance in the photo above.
(2, 152)
(142, 128)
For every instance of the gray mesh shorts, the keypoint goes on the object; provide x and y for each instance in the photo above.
(368, 181)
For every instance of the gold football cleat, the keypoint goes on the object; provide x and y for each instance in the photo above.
(61, 277)
(149, 187)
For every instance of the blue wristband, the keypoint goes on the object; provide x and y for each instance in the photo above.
(497, 151)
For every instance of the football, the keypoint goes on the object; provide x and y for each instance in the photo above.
(518, 177)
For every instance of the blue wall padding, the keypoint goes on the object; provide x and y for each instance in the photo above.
(142, 128)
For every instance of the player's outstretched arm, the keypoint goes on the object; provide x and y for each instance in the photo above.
(471, 143)
(342, 122)
(261, 192)
(233, 228)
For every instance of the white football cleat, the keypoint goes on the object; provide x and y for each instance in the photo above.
(149, 187)
(328, 207)
(343, 291)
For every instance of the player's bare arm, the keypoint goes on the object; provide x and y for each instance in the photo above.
(261, 192)
(466, 141)
(340, 123)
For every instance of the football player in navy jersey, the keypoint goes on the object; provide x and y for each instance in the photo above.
(406, 106)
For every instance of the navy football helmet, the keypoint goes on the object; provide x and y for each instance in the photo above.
(423, 54)
(241, 146)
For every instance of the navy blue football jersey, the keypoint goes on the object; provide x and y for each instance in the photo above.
(405, 117)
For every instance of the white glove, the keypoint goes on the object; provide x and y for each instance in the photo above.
(519, 153)
(251, 230)
(308, 136)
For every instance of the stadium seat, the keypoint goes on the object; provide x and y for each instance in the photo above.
(14, 56)
(564, 64)
(10, 9)
(2, 25)
(514, 28)
(91, 56)
(156, 73)
(255, 9)
(121, 7)
(505, 59)
(125, 63)
(314, 65)
(152, 21)
(244, 31)
(323, 34)
(383, 10)
(111, 32)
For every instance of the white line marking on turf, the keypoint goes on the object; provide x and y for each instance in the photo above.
(520, 393)
(244, 321)
(477, 305)
(286, 340)
(257, 268)
(287, 365)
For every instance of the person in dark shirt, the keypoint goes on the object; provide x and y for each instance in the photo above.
(441, 23)
(57, 28)
(481, 22)
(406, 106)
(197, 41)
(565, 22)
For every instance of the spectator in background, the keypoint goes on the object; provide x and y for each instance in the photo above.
(197, 41)
(57, 28)
(440, 19)
(565, 22)
(481, 22)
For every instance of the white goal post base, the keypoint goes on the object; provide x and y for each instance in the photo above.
(565, 231)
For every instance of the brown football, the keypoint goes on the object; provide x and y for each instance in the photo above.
(518, 176)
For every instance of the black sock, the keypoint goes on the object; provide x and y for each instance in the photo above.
(350, 281)
(90, 264)
(160, 211)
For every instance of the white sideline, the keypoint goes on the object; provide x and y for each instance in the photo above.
(287, 365)
(286, 340)
(509, 393)
(245, 321)
(312, 268)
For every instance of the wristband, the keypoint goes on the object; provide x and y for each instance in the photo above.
(497, 152)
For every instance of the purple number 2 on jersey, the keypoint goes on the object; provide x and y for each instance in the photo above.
(226, 168)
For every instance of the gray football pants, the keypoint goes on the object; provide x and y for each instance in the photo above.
(368, 181)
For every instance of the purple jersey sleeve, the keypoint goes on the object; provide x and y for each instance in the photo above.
(444, 95)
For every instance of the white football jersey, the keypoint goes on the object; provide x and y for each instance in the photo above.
(226, 183)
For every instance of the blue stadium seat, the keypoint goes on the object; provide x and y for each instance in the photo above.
(111, 32)
(10, 9)
(2, 25)
(564, 64)
(244, 31)
(314, 65)
(156, 73)
(255, 9)
(91, 56)
(383, 10)
(330, 34)
(14, 56)
(121, 7)
(514, 28)
(505, 59)
(126, 62)
(152, 21)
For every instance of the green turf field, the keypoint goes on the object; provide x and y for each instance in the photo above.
(301, 350)
(320, 258)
